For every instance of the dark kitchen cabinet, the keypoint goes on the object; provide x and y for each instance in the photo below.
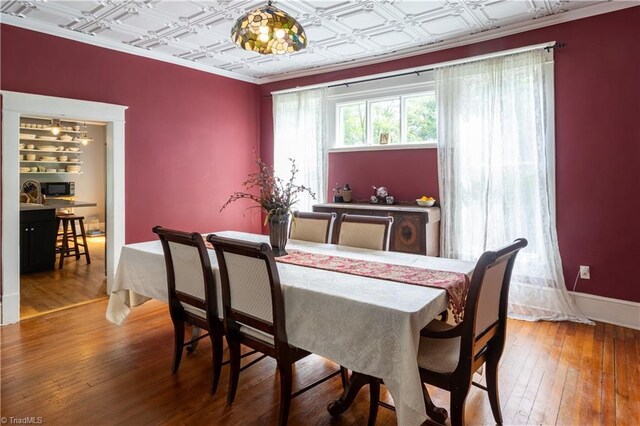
(415, 229)
(37, 240)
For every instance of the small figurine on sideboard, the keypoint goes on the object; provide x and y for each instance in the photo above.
(346, 193)
(337, 194)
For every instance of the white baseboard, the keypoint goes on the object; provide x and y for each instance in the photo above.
(612, 311)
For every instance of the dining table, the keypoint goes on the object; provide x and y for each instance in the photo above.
(365, 324)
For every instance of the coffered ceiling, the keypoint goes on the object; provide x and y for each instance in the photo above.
(341, 33)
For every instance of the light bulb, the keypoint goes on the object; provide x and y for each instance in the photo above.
(263, 37)
(55, 130)
(264, 30)
(85, 142)
(280, 33)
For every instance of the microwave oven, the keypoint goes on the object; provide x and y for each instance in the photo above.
(55, 189)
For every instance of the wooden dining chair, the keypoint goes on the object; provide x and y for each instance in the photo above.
(449, 355)
(369, 232)
(192, 294)
(254, 313)
(313, 227)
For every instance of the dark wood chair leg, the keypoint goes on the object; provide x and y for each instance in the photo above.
(356, 382)
(492, 386)
(178, 344)
(458, 398)
(83, 234)
(374, 398)
(436, 413)
(234, 370)
(74, 234)
(65, 242)
(286, 378)
(216, 346)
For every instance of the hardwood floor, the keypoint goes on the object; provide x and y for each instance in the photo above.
(74, 367)
(76, 283)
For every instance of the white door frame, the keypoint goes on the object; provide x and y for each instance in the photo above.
(14, 105)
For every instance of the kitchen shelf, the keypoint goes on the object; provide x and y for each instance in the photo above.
(49, 140)
(48, 129)
(56, 162)
(47, 151)
(51, 173)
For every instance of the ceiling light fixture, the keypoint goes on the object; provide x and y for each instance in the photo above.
(269, 30)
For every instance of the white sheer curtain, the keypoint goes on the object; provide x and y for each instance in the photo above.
(299, 120)
(497, 174)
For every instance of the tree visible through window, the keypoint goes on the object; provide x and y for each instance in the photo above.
(405, 119)
(421, 118)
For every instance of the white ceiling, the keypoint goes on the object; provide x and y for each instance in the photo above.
(341, 33)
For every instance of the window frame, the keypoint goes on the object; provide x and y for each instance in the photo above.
(338, 145)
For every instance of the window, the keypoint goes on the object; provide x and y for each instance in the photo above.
(404, 119)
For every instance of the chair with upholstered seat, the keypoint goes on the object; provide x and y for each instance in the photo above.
(449, 355)
(192, 294)
(254, 313)
(313, 227)
(369, 232)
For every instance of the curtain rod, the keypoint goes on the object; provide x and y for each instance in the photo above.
(417, 72)
(383, 76)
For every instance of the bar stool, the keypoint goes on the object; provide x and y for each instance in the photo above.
(69, 234)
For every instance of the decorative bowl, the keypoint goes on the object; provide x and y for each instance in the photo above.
(47, 158)
(63, 158)
(48, 138)
(27, 136)
(66, 138)
(31, 157)
(74, 169)
(423, 203)
(47, 148)
(25, 169)
(74, 149)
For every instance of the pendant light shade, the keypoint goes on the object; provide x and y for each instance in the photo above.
(269, 30)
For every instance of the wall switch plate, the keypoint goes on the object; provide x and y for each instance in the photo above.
(585, 274)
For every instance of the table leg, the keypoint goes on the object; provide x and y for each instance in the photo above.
(356, 382)
(195, 333)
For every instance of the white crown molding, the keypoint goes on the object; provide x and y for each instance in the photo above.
(572, 15)
(583, 12)
(53, 30)
(605, 309)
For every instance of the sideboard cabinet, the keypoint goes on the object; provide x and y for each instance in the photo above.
(415, 229)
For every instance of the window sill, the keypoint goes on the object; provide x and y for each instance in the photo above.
(390, 147)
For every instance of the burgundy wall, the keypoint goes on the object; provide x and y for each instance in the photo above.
(190, 135)
(597, 88)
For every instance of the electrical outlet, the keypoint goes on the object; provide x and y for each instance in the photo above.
(585, 274)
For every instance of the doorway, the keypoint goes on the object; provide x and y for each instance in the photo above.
(63, 181)
(17, 105)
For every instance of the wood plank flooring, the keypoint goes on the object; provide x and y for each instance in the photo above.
(75, 284)
(74, 367)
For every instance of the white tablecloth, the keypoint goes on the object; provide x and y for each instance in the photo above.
(365, 324)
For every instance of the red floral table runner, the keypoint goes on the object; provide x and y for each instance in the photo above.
(455, 284)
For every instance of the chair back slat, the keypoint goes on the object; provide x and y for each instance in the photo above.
(190, 278)
(369, 232)
(313, 227)
(489, 297)
(249, 286)
(251, 293)
(187, 269)
(486, 306)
